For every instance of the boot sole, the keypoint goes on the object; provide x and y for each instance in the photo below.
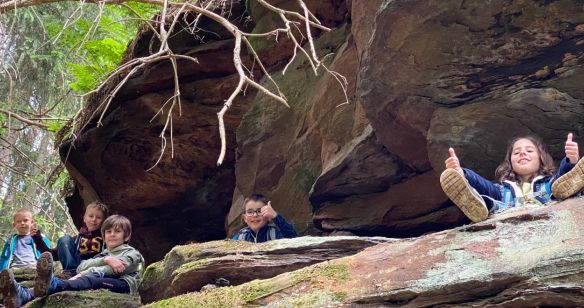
(7, 289)
(457, 189)
(570, 183)
(44, 273)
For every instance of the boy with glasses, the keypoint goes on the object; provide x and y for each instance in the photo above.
(263, 223)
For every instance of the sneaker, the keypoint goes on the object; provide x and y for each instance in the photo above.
(8, 289)
(44, 275)
(456, 187)
(570, 183)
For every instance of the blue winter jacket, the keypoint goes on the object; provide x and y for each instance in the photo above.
(505, 193)
(278, 229)
(8, 250)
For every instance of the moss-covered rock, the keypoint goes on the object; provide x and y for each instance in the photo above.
(86, 299)
(24, 274)
(522, 258)
(188, 268)
(259, 292)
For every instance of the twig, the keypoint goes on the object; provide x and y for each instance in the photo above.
(22, 119)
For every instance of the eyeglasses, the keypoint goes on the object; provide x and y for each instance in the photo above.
(252, 213)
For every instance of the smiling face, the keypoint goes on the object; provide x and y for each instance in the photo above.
(252, 216)
(525, 159)
(115, 237)
(22, 223)
(93, 218)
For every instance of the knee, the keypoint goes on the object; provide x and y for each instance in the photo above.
(65, 241)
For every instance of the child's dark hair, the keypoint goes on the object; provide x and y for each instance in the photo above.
(546, 163)
(117, 222)
(100, 206)
(255, 197)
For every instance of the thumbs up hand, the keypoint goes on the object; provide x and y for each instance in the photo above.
(572, 150)
(453, 162)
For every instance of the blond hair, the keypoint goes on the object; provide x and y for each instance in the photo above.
(100, 206)
(21, 211)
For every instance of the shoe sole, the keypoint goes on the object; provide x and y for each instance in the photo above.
(44, 272)
(8, 290)
(570, 183)
(457, 189)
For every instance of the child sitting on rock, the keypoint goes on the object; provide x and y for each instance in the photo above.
(20, 250)
(263, 223)
(525, 178)
(88, 243)
(117, 268)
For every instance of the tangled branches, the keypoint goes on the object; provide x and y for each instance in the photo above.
(298, 28)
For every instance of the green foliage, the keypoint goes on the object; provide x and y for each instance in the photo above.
(54, 125)
(47, 51)
(97, 44)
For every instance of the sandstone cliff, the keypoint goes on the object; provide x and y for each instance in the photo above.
(422, 76)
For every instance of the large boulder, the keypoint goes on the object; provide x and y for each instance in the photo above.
(430, 75)
(439, 74)
(190, 268)
(182, 195)
(523, 258)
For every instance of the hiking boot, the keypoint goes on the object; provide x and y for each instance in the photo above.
(456, 187)
(570, 183)
(44, 275)
(8, 289)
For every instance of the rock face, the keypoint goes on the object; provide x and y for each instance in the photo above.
(189, 268)
(186, 196)
(421, 76)
(429, 75)
(526, 258)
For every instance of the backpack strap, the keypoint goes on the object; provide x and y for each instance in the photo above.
(242, 234)
(272, 231)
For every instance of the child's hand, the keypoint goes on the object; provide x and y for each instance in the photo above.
(572, 150)
(117, 265)
(453, 162)
(268, 212)
(34, 228)
(75, 277)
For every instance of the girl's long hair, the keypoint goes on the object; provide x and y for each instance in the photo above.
(546, 162)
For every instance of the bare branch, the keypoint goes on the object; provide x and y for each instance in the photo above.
(291, 19)
(22, 119)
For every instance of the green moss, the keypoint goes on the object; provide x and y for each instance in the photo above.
(24, 274)
(305, 176)
(152, 275)
(340, 296)
(335, 272)
(253, 292)
(191, 266)
(314, 299)
(192, 251)
(88, 299)
(245, 294)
